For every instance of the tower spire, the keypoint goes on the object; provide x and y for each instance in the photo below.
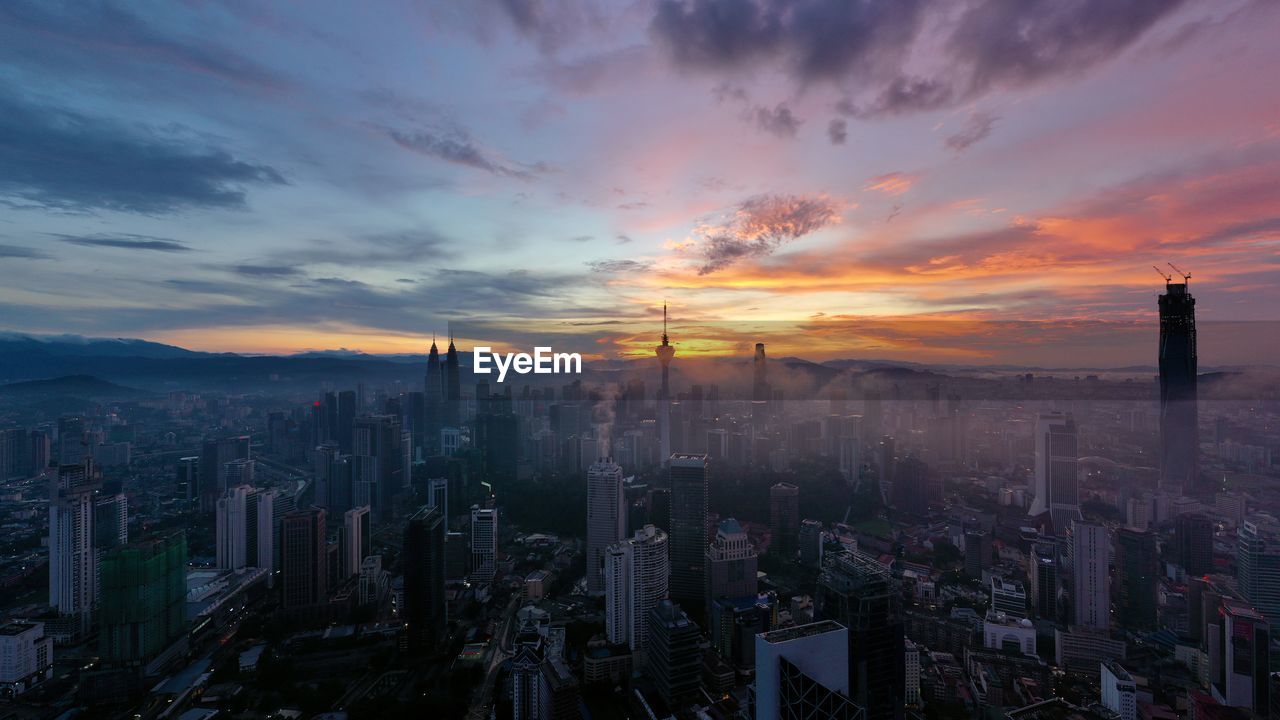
(664, 324)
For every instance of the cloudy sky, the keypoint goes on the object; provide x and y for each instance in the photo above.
(278, 177)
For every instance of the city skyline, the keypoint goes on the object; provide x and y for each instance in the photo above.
(287, 180)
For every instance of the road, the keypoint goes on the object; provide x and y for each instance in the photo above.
(498, 652)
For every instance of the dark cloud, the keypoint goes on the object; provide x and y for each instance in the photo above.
(580, 239)
(380, 250)
(779, 121)
(838, 131)
(761, 224)
(57, 159)
(266, 270)
(618, 267)
(21, 252)
(125, 242)
(456, 146)
(864, 47)
(975, 130)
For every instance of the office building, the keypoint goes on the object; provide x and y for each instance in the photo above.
(1008, 597)
(378, 466)
(673, 658)
(1244, 658)
(484, 543)
(304, 567)
(636, 572)
(1055, 472)
(802, 673)
(784, 517)
(1258, 568)
(1179, 431)
(689, 506)
(1137, 577)
(606, 518)
(214, 458)
(356, 540)
(811, 540)
(73, 559)
(425, 612)
(1119, 691)
(731, 564)
(860, 594)
(1193, 543)
(1046, 581)
(1091, 578)
(26, 657)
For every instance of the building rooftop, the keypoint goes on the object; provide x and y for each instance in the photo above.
(801, 631)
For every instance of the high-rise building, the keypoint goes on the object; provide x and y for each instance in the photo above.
(665, 353)
(636, 572)
(689, 507)
(1119, 691)
(784, 517)
(377, 463)
(425, 612)
(1008, 597)
(802, 673)
(673, 658)
(1193, 543)
(1179, 433)
(73, 559)
(1090, 576)
(1242, 655)
(484, 543)
(357, 539)
(188, 477)
(346, 417)
(1258, 568)
(606, 517)
(911, 656)
(73, 447)
(859, 593)
(1046, 581)
(1055, 476)
(731, 564)
(144, 593)
(304, 567)
(1137, 575)
(433, 403)
(811, 532)
(452, 387)
(231, 531)
(26, 657)
(214, 457)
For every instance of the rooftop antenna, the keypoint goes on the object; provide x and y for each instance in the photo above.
(1185, 275)
(1167, 277)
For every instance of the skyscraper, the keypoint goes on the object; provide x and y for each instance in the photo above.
(345, 420)
(1045, 581)
(673, 658)
(214, 457)
(731, 564)
(665, 353)
(760, 390)
(73, 560)
(1090, 576)
(784, 517)
(434, 401)
(452, 387)
(802, 673)
(357, 539)
(484, 543)
(304, 566)
(1055, 474)
(689, 507)
(636, 573)
(425, 612)
(1179, 435)
(377, 463)
(860, 594)
(144, 592)
(1137, 573)
(1193, 542)
(606, 517)
(1258, 568)
(231, 530)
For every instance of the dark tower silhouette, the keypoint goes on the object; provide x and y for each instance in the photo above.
(453, 388)
(1179, 437)
(425, 614)
(760, 391)
(434, 403)
(688, 535)
(665, 353)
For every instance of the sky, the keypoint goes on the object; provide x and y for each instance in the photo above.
(879, 178)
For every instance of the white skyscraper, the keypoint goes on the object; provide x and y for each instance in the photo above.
(803, 668)
(484, 542)
(73, 563)
(232, 530)
(606, 517)
(1055, 488)
(1090, 555)
(635, 579)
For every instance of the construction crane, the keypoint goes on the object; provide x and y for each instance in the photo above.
(1167, 277)
(1185, 275)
